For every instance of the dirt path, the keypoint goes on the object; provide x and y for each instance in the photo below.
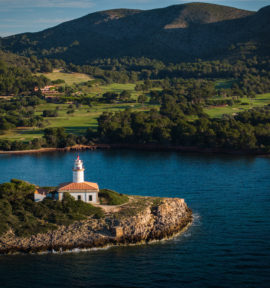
(113, 208)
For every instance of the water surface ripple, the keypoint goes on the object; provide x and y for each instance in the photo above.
(228, 244)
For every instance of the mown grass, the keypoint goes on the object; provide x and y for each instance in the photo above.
(97, 90)
(84, 117)
(246, 104)
(22, 134)
(118, 88)
(69, 78)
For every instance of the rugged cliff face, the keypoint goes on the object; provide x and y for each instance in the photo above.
(142, 220)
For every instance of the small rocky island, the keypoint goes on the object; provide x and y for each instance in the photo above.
(35, 220)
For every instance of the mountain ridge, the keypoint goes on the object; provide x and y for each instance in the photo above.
(177, 32)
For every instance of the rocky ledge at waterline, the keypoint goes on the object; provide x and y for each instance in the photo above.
(141, 220)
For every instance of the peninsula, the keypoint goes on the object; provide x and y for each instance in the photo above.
(79, 215)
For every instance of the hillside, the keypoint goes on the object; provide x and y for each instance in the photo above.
(175, 33)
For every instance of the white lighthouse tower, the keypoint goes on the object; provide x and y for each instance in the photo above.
(79, 189)
(78, 171)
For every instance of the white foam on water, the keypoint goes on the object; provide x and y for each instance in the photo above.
(196, 220)
(187, 232)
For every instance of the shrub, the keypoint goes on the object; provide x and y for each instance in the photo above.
(19, 212)
(50, 113)
(110, 197)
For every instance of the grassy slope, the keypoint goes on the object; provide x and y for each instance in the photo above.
(70, 78)
(260, 100)
(110, 197)
(99, 90)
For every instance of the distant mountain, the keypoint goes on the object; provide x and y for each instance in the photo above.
(175, 33)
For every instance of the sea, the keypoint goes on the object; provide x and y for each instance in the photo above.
(227, 245)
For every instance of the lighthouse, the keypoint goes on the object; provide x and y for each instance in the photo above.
(78, 171)
(79, 189)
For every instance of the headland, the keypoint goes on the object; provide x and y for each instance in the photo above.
(140, 220)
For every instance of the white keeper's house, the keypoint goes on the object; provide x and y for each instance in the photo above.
(79, 189)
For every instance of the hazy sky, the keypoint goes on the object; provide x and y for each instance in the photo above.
(17, 16)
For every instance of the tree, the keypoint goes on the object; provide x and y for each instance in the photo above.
(55, 137)
(142, 98)
(110, 97)
(50, 113)
(46, 66)
(125, 95)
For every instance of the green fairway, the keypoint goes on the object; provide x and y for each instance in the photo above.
(84, 116)
(69, 78)
(76, 123)
(95, 89)
(260, 100)
(22, 134)
(118, 88)
(98, 90)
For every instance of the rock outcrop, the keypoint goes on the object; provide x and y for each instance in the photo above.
(142, 220)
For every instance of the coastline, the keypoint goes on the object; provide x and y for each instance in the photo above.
(145, 147)
(65, 149)
(149, 222)
(115, 245)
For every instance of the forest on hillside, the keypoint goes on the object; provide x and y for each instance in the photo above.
(174, 97)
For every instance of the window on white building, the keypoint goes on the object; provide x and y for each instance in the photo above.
(79, 197)
(90, 198)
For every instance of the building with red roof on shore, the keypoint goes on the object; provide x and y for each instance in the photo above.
(79, 189)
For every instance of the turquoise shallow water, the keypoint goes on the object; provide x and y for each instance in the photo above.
(228, 244)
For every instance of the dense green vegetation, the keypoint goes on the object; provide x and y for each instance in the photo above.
(16, 80)
(20, 112)
(248, 131)
(109, 197)
(19, 212)
(170, 110)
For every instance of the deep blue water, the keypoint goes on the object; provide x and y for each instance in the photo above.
(228, 244)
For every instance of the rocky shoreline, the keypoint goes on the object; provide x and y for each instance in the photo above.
(142, 220)
(146, 147)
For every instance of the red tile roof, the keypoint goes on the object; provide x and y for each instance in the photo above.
(78, 186)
